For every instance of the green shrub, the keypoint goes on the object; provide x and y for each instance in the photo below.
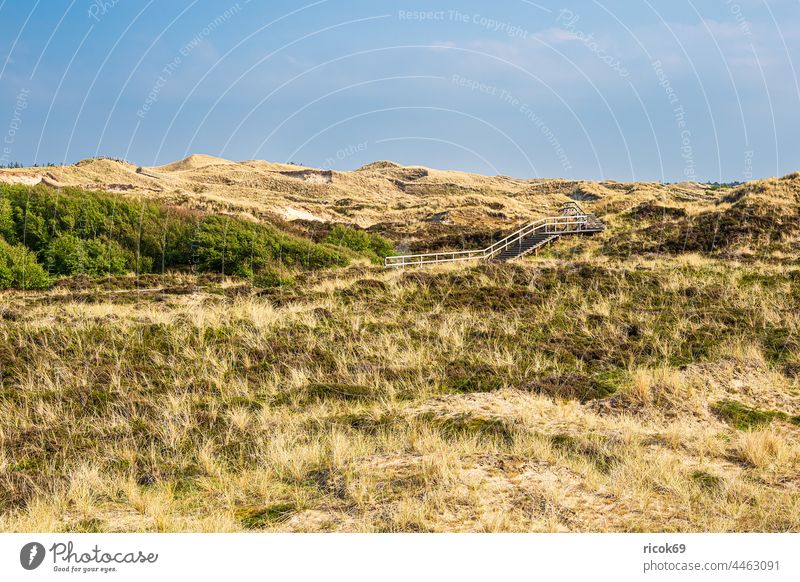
(18, 268)
(360, 241)
(224, 244)
(77, 232)
(7, 221)
(69, 255)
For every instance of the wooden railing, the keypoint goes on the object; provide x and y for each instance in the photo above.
(569, 222)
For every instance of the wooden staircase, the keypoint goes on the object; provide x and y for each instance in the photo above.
(525, 246)
(570, 221)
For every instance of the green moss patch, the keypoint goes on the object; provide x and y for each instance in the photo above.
(744, 417)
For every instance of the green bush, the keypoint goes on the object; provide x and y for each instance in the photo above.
(7, 230)
(69, 255)
(360, 241)
(19, 269)
(72, 232)
(224, 244)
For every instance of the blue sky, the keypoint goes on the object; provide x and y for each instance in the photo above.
(650, 90)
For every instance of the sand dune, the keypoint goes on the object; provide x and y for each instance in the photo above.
(409, 203)
(193, 162)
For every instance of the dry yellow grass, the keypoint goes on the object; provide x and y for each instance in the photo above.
(764, 448)
(449, 399)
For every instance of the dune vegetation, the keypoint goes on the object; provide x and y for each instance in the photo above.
(644, 379)
(46, 234)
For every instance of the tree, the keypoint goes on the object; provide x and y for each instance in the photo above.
(19, 269)
(7, 221)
